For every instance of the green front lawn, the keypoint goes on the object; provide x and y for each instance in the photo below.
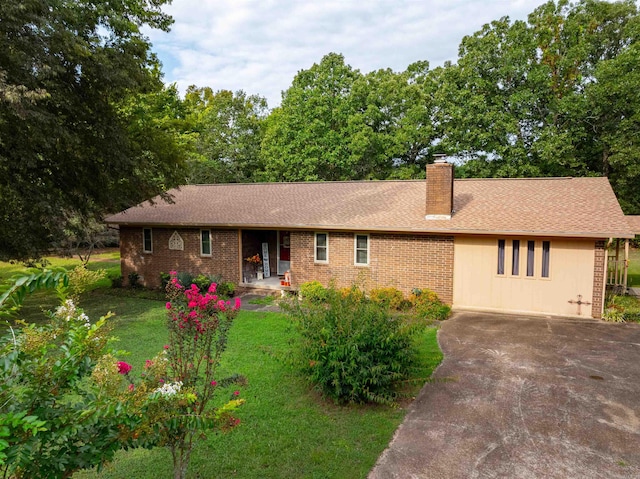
(287, 430)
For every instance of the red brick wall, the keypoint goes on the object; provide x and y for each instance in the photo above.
(224, 260)
(402, 261)
(598, 279)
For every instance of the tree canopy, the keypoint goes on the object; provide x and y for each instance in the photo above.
(86, 126)
(74, 140)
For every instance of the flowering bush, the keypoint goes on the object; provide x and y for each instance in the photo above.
(46, 385)
(198, 324)
(66, 403)
(255, 259)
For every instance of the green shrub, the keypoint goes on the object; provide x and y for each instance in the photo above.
(226, 289)
(622, 309)
(134, 279)
(313, 292)
(389, 297)
(117, 280)
(164, 279)
(185, 278)
(428, 306)
(353, 351)
(202, 281)
(352, 293)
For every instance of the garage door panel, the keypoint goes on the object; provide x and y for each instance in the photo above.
(477, 283)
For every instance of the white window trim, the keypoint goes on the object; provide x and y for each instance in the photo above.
(143, 242)
(315, 247)
(355, 249)
(210, 245)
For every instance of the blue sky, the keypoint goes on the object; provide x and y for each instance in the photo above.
(259, 45)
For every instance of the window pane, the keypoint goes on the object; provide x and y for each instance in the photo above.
(361, 256)
(361, 242)
(531, 246)
(546, 246)
(147, 239)
(321, 254)
(321, 239)
(515, 258)
(501, 256)
(206, 241)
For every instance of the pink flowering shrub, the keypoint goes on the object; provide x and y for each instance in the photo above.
(198, 324)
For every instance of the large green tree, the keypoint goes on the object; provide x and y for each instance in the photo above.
(225, 130)
(72, 141)
(309, 136)
(338, 124)
(555, 95)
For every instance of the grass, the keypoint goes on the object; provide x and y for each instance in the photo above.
(45, 300)
(287, 429)
(265, 300)
(633, 273)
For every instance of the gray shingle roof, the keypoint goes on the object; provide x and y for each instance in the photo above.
(574, 207)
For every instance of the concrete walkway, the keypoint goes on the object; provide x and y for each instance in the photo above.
(247, 306)
(520, 397)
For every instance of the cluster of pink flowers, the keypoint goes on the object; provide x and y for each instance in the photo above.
(198, 306)
(124, 368)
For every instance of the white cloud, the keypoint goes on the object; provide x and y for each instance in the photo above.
(259, 46)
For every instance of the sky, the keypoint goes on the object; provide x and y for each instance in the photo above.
(259, 45)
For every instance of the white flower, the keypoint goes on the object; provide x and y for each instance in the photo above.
(169, 389)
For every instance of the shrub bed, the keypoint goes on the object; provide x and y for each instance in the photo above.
(354, 351)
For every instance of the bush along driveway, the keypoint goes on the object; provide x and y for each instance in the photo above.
(527, 398)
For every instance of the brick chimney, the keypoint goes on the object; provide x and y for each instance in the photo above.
(439, 189)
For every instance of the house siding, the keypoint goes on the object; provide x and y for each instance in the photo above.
(224, 260)
(402, 261)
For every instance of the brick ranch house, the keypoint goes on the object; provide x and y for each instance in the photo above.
(510, 245)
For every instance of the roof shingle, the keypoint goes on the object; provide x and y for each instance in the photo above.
(573, 207)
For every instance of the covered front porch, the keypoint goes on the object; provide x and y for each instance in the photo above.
(618, 261)
(265, 259)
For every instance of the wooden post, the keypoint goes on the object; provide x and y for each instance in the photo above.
(626, 262)
(617, 277)
(241, 280)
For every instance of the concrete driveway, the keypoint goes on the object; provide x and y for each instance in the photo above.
(522, 397)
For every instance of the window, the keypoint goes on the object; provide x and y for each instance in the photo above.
(546, 246)
(501, 244)
(531, 247)
(205, 242)
(147, 240)
(515, 258)
(321, 248)
(362, 250)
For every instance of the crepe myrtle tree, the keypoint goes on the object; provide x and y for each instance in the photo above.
(67, 403)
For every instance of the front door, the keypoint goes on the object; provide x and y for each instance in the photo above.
(284, 251)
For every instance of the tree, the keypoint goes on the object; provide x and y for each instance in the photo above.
(70, 142)
(553, 96)
(395, 111)
(310, 137)
(226, 130)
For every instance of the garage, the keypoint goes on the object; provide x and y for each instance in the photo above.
(519, 274)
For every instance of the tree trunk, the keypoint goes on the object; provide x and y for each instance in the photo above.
(181, 457)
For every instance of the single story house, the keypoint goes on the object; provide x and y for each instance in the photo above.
(534, 245)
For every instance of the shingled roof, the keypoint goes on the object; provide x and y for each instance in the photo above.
(634, 223)
(570, 207)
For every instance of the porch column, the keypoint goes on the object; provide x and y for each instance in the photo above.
(241, 279)
(626, 262)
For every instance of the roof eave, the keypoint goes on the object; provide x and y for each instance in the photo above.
(447, 231)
